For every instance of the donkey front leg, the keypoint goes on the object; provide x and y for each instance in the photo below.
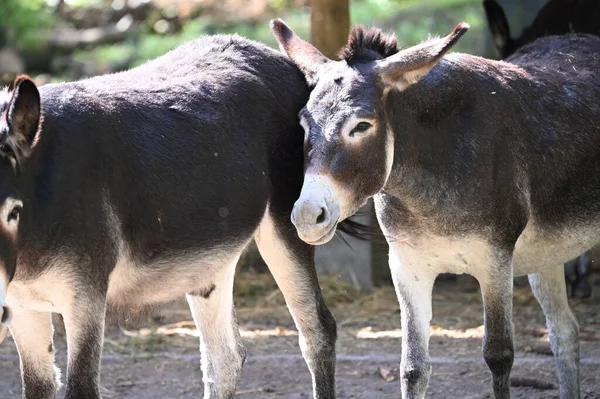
(414, 286)
(550, 291)
(32, 332)
(84, 326)
(291, 262)
(221, 349)
(496, 282)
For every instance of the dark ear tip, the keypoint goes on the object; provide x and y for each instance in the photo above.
(274, 24)
(461, 28)
(277, 26)
(20, 79)
(456, 34)
(24, 81)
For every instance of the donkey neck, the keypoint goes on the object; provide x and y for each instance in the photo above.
(450, 151)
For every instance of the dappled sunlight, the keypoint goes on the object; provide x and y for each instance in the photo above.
(274, 332)
(476, 332)
(187, 328)
(369, 333)
(435, 331)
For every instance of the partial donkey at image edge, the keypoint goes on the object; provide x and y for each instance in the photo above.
(136, 188)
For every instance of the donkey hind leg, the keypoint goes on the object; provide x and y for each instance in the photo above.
(498, 348)
(414, 286)
(84, 326)
(549, 289)
(32, 332)
(291, 262)
(221, 349)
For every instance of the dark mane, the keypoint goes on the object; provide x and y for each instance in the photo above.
(368, 44)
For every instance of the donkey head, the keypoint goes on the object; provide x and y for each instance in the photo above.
(20, 115)
(348, 146)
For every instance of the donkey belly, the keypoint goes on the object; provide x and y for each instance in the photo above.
(538, 249)
(135, 284)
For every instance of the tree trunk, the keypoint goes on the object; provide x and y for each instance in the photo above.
(329, 24)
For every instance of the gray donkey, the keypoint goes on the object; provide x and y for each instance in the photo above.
(483, 167)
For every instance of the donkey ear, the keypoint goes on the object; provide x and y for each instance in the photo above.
(303, 54)
(23, 116)
(498, 26)
(408, 66)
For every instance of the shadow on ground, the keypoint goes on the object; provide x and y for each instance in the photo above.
(161, 359)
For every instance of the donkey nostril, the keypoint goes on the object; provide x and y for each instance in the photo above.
(6, 315)
(322, 215)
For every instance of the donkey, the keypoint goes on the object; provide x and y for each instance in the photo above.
(136, 188)
(557, 17)
(458, 186)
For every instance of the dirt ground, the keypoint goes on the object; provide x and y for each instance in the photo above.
(162, 360)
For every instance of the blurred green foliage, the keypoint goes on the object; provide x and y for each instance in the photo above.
(411, 20)
(24, 22)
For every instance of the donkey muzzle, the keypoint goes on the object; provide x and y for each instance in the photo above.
(316, 213)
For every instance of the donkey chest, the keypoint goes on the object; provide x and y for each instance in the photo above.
(438, 254)
(52, 291)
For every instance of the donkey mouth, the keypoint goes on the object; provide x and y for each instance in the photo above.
(325, 238)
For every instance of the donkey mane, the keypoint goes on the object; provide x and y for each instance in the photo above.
(368, 44)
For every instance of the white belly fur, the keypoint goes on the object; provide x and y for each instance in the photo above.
(535, 250)
(134, 284)
(129, 283)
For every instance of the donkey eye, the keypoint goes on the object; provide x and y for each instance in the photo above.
(360, 128)
(14, 214)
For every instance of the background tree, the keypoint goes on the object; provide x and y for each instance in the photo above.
(329, 25)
